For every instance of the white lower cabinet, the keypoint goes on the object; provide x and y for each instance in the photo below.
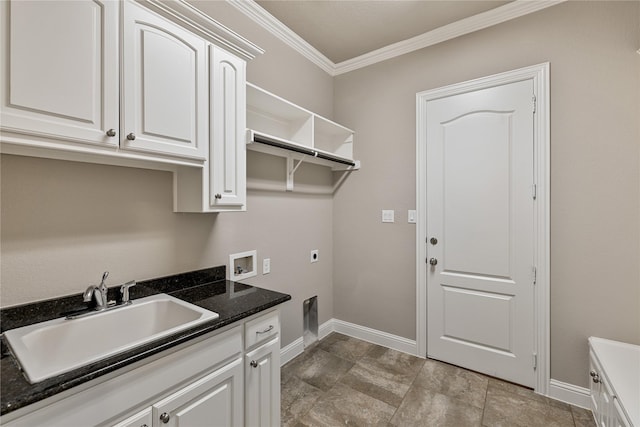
(614, 370)
(141, 419)
(215, 400)
(218, 381)
(262, 385)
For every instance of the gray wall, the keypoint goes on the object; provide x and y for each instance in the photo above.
(63, 223)
(595, 180)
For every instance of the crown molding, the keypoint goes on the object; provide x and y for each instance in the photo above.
(459, 28)
(269, 22)
(196, 21)
(468, 25)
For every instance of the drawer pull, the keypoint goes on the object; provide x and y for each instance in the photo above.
(270, 328)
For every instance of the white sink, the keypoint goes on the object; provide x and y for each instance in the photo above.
(47, 349)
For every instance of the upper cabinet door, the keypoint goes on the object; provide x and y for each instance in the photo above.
(60, 69)
(227, 160)
(164, 87)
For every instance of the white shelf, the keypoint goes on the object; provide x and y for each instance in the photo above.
(279, 127)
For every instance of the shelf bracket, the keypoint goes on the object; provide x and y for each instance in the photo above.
(292, 166)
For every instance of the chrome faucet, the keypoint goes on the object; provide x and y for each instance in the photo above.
(98, 293)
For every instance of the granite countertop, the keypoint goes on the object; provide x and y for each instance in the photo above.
(206, 288)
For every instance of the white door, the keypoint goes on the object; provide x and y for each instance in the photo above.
(165, 90)
(480, 231)
(59, 75)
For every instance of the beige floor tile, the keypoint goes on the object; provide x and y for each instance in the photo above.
(377, 381)
(319, 368)
(345, 347)
(582, 417)
(344, 406)
(504, 408)
(453, 382)
(297, 398)
(423, 407)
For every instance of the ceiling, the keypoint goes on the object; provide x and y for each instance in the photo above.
(345, 29)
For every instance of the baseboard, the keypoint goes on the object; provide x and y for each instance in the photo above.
(569, 393)
(384, 339)
(290, 351)
(296, 348)
(376, 337)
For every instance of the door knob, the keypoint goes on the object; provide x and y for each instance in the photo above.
(111, 133)
(433, 261)
(131, 136)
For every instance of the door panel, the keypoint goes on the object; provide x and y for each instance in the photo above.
(480, 209)
(476, 195)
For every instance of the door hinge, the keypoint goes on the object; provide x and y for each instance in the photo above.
(534, 191)
(535, 274)
(535, 361)
(535, 103)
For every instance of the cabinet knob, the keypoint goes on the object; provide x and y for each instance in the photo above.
(433, 261)
(433, 241)
(111, 133)
(596, 378)
(218, 196)
(253, 364)
(164, 417)
(593, 374)
(131, 136)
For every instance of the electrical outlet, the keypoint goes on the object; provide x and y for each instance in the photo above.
(266, 266)
(387, 215)
(315, 255)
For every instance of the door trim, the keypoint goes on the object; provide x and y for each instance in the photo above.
(540, 75)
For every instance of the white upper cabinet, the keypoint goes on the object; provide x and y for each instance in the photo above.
(227, 162)
(221, 186)
(69, 88)
(164, 86)
(60, 70)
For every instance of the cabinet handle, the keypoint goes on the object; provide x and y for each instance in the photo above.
(111, 133)
(218, 196)
(266, 330)
(131, 136)
(433, 261)
(253, 364)
(164, 417)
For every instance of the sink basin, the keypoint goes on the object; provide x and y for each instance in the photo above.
(50, 348)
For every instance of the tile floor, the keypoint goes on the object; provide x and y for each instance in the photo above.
(344, 381)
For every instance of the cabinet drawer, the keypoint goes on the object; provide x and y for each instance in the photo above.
(261, 329)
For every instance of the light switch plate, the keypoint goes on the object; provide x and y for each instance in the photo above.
(412, 217)
(266, 266)
(387, 215)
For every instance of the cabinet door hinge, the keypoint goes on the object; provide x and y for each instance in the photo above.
(535, 361)
(535, 103)
(535, 274)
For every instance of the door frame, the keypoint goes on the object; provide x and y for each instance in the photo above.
(541, 157)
